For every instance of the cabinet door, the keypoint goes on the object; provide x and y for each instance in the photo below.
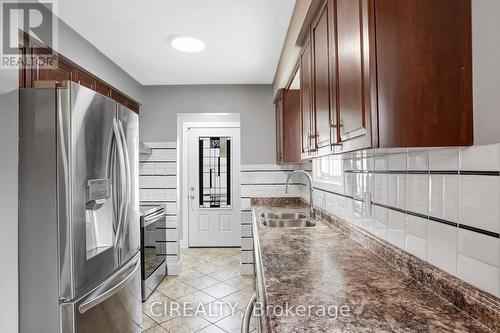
(354, 66)
(290, 129)
(424, 70)
(306, 99)
(323, 111)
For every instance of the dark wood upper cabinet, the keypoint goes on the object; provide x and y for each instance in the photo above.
(387, 74)
(323, 111)
(291, 152)
(288, 130)
(424, 70)
(306, 96)
(354, 72)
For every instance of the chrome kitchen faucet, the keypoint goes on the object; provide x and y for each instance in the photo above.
(309, 178)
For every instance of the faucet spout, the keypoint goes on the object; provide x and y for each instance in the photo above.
(309, 179)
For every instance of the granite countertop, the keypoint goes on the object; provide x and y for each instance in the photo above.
(320, 267)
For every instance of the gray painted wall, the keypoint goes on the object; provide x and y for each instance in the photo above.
(486, 70)
(80, 51)
(161, 105)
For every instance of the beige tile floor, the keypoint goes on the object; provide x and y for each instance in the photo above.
(210, 294)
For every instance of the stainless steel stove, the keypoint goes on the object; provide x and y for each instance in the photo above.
(153, 268)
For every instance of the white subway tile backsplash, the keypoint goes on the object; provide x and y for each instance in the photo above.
(157, 186)
(348, 164)
(348, 183)
(416, 226)
(480, 158)
(246, 217)
(479, 204)
(330, 202)
(381, 188)
(417, 193)
(358, 164)
(172, 248)
(247, 244)
(444, 197)
(246, 230)
(245, 203)
(381, 222)
(319, 199)
(368, 224)
(478, 273)
(247, 257)
(163, 155)
(397, 161)
(171, 222)
(163, 145)
(397, 191)
(418, 161)
(430, 183)
(171, 207)
(396, 230)
(416, 246)
(381, 163)
(445, 159)
(172, 235)
(265, 180)
(480, 247)
(442, 247)
(157, 181)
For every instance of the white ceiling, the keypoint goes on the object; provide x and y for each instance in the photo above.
(243, 38)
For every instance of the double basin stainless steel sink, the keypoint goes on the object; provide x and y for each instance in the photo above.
(287, 219)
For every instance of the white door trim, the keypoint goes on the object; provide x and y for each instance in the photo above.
(183, 158)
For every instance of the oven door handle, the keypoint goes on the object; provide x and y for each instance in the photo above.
(153, 218)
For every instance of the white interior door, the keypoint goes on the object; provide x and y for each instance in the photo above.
(214, 187)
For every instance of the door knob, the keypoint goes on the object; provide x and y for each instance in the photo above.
(191, 196)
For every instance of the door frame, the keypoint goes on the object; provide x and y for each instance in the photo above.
(184, 122)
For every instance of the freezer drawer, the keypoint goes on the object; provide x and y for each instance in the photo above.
(113, 307)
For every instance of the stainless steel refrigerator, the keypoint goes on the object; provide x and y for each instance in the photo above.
(79, 238)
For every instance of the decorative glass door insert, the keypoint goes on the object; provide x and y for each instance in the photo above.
(215, 172)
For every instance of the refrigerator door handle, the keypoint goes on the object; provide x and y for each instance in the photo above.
(110, 287)
(121, 155)
(128, 182)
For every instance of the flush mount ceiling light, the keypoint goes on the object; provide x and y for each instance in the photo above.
(187, 44)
